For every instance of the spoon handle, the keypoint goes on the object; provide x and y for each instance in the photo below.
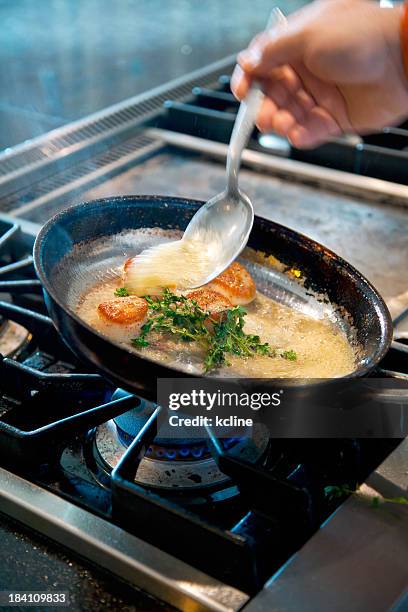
(246, 117)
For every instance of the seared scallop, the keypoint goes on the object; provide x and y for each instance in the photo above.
(122, 317)
(211, 301)
(235, 283)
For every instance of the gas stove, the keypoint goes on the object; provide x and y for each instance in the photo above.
(217, 524)
(64, 429)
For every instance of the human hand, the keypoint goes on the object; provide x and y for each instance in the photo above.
(337, 67)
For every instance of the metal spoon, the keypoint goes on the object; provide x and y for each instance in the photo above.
(226, 220)
(218, 231)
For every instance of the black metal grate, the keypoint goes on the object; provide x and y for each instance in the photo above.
(48, 386)
(210, 114)
(48, 403)
(284, 497)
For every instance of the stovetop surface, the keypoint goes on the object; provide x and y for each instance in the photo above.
(73, 473)
(31, 562)
(372, 236)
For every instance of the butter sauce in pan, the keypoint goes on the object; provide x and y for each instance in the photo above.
(290, 320)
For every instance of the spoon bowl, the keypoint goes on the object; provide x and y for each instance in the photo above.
(223, 225)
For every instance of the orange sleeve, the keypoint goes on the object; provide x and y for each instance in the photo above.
(404, 36)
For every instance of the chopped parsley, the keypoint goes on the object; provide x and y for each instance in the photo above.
(183, 318)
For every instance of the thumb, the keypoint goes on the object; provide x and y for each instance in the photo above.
(272, 50)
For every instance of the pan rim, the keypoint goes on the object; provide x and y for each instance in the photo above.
(380, 305)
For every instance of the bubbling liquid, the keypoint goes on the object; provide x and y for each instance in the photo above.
(323, 351)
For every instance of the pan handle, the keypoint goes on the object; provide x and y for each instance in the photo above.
(396, 359)
(392, 396)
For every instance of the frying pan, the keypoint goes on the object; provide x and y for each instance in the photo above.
(86, 242)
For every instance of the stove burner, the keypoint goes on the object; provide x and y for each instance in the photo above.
(184, 453)
(183, 466)
(189, 451)
(14, 338)
(164, 449)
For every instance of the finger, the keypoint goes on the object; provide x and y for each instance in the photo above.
(271, 51)
(251, 56)
(264, 120)
(281, 110)
(302, 138)
(283, 122)
(287, 91)
(305, 99)
(271, 118)
(316, 129)
(240, 83)
(296, 105)
(287, 77)
(329, 96)
(277, 92)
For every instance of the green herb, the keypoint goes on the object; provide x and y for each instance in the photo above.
(176, 315)
(121, 292)
(181, 317)
(335, 491)
(403, 501)
(228, 337)
(290, 355)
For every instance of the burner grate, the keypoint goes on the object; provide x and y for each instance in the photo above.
(163, 522)
(288, 504)
(51, 409)
(210, 114)
(51, 397)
